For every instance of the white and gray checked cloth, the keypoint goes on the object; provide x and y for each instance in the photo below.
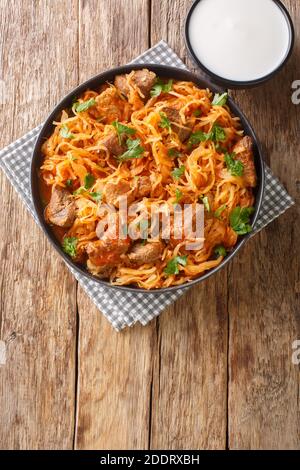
(119, 307)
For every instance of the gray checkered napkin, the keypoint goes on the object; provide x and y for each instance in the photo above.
(125, 308)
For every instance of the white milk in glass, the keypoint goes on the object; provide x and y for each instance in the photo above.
(239, 40)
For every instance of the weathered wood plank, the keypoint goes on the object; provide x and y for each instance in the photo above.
(190, 374)
(114, 368)
(37, 319)
(264, 408)
(114, 383)
(167, 22)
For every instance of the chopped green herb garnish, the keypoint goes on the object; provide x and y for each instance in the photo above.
(164, 121)
(173, 265)
(220, 100)
(216, 134)
(89, 180)
(65, 133)
(122, 130)
(134, 150)
(178, 172)
(205, 201)
(79, 191)
(197, 112)
(69, 246)
(220, 250)
(239, 219)
(96, 195)
(178, 195)
(235, 167)
(79, 107)
(69, 182)
(219, 211)
(173, 153)
(161, 87)
(197, 137)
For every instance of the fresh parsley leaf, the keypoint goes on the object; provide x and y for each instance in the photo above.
(79, 107)
(173, 153)
(220, 100)
(178, 172)
(161, 87)
(178, 195)
(235, 167)
(167, 87)
(65, 133)
(219, 211)
(78, 191)
(197, 137)
(156, 89)
(217, 133)
(69, 246)
(172, 266)
(134, 150)
(164, 121)
(239, 219)
(96, 195)
(197, 112)
(89, 180)
(69, 182)
(205, 201)
(122, 129)
(220, 251)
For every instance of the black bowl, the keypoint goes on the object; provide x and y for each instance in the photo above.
(234, 84)
(95, 82)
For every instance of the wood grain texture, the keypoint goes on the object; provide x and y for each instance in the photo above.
(190, 374)
(37, 380)
(264, 303)
(167, 22)
(114, 368)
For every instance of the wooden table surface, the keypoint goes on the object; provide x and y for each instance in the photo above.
(215, 370)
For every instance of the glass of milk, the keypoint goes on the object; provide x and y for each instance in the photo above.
(239, 43)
